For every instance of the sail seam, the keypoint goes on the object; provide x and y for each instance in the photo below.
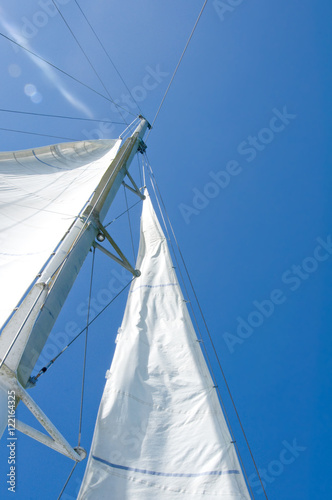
(41, 161)
(153, 286)
(166, 474)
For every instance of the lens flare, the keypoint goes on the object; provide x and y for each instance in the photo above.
(14, 70)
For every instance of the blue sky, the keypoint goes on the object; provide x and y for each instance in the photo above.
(241, 151)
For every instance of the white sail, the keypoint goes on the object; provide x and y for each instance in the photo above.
(160, 431)
(43, 190)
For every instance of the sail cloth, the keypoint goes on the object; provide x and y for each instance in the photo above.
(43, 190)
(160, 432)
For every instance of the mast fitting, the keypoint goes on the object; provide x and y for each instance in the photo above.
(141, 146)
(120, 258)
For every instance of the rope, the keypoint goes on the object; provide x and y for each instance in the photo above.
(212, 344)
(85, 349)
(107, 54)
(59, 116)
(177, 66)
(90, 62)
(129, 222)
(55, 67)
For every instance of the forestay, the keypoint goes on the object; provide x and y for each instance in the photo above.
(43, 191)
(160, 431)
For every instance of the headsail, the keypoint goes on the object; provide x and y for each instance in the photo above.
(160, 431)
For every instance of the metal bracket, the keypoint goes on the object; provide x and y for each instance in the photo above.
(55, 439)
(141, 147)
(135, 188)
(122, 259)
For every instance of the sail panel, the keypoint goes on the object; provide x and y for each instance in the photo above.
(160, 431)
(43, 190)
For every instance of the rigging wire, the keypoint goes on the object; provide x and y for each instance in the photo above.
(199, 331)
(85, 348)
(88, 323)
(129, 222)
(35, 133)
(177, 66)
(155, 189)
(153, 183)
(140, 166)
(143, 170)
(59, 116)
(90, 62)
(56, 67)
(68, 479)
(45, 368)
(211, 340)
(128, 130)
(120, 215)
(107, 54)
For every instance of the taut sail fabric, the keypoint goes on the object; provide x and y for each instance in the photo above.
(160, 432)
(43, 190)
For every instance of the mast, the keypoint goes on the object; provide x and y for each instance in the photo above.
(26, 333)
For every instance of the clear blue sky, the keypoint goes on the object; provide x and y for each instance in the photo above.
(241, 151)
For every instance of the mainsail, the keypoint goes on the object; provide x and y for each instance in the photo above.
(42, 192)
(160, 431)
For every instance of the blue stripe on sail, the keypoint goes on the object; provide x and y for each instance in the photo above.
(41, 161)
(167, 474)
(154, 286)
